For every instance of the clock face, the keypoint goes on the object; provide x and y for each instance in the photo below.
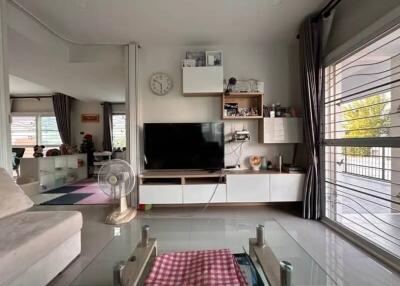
(160, 83)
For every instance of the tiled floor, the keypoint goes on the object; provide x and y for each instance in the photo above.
(345, 263)
(369, 207)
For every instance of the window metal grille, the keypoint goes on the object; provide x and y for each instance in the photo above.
(361, 140)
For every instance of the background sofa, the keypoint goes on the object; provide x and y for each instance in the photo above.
(34, 245)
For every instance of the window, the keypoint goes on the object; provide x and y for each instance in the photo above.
(119, 130)
(30, 130)
(361, 156)
(49, 134)
(23, 131)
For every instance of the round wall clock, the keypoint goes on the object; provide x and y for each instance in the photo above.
(160, 84)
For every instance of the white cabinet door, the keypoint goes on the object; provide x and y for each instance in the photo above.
(247, 188)
(286, 187)
(281, 130)
(160, 194)
(196, 194)
(203, 80)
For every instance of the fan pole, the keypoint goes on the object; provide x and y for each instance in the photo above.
(123, 214)
(122, 203)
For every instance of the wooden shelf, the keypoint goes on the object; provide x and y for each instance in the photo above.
(180, 175)
(204, 94)
(243, 100)
(243, 94)
(241, 117)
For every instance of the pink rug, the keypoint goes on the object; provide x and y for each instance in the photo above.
(91, 187)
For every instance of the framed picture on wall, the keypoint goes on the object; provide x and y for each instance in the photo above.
(87, 118)
(214, 58)
(199, 57)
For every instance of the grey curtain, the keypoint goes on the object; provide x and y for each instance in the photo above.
(311, 76)
(107, 126)
(62, 110)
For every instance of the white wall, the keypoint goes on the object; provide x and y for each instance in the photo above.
(94, 128)
(32, 105)
(276, 65)
(84, 72)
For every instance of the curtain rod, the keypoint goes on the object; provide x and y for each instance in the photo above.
(326, 11)
(113, 103)
(38, 97)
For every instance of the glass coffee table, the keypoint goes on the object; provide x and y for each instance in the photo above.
(182, 233)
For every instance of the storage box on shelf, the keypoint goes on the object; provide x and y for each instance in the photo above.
(245, 100)
(54, 172)
(197, 187)
(203, 81)
(281, 130)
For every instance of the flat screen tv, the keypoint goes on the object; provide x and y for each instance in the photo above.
(184, 146)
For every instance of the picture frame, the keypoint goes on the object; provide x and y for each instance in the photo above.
(200, 58)
(188, 63)
(90, 118)
(214, 58)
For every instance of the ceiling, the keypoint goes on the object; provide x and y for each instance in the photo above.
(173, 21)
(19, 86)
(91, 72)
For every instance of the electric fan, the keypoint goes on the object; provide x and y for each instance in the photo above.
(117, 179)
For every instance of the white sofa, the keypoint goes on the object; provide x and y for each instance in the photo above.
(34, 245)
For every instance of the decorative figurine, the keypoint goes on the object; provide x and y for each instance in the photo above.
(255, 162)
(38, 151)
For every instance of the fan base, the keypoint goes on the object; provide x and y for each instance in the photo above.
(118, 217)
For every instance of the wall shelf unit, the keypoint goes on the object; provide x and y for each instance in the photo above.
(203, 81)
(56, 171)
(281, 130)
(243, 100)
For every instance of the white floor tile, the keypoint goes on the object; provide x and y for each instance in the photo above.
(41, 198)
(183, 228)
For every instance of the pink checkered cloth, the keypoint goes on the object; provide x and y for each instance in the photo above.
(208, 267)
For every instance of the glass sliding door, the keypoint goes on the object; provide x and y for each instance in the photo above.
(361, 146)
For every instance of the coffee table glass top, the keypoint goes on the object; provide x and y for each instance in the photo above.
(181, 233)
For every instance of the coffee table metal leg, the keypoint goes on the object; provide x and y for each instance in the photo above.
(136, 268)
(267, 260)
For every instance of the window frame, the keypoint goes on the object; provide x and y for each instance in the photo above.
(392, 142)
(37, 115)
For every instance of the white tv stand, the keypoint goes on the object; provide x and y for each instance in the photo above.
(197, 187)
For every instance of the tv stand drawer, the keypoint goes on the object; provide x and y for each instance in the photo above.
(201, 193)
(160, 194)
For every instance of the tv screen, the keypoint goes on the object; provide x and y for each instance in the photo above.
(184, 145)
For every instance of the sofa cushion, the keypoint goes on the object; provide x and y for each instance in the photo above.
(28, 236)
(12, 197)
